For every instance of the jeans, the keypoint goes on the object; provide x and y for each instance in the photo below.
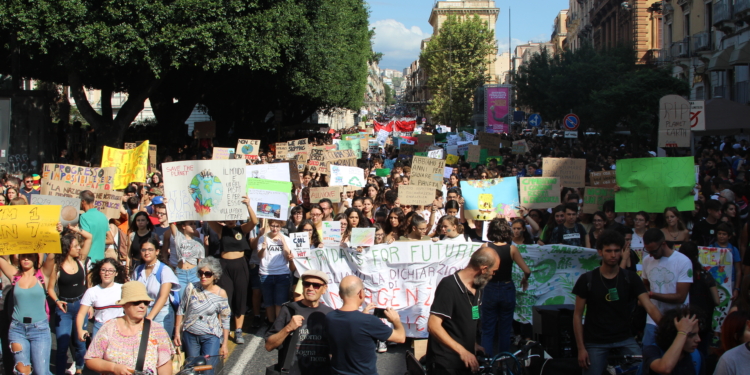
(36, 345)
(97, 327)
(202, 345)
(275, 289)
(67, 336)
(186, 277)
(649, 335)
(165, 317)
(598, 354)
(498, 303)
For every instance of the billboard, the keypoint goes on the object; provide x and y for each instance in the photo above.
(498, 115)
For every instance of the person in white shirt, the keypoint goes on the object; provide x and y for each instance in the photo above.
(452, 229)
(107, 276)
(275, 254)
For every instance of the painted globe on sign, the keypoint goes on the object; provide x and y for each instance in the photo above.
(247, 149)
(207, 191)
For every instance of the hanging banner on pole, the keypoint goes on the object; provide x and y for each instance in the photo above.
(497, 113)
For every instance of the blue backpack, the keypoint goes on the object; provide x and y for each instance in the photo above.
(174, 296)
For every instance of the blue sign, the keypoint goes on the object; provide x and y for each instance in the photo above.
(535, 120)
(571, 122)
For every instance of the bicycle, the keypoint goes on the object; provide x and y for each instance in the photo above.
(505, 363)
(195, 366)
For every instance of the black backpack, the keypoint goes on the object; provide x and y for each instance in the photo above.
(700, 293)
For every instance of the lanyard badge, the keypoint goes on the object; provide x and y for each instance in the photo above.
(475, 312)
(612, 295)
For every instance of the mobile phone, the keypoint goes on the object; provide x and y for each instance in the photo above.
(380, 313)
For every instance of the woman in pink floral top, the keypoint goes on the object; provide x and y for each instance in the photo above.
(115, 346)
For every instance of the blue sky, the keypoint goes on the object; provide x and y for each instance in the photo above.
(400, 25)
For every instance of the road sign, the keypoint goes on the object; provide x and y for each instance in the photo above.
(571, 134)
(697, 115)
(571, 122)
(535, 120)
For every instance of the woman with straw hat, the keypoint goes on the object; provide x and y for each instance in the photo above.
(115, 347)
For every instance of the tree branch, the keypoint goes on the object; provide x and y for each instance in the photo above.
(82, 103)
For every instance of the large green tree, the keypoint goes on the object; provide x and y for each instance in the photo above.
(456, 61)
(605, 88)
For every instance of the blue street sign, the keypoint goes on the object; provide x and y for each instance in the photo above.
(571, 122)
(535, 120)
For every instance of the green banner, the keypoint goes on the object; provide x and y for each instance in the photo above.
(351, 145)
(385, 172)
(653, 184)
(271, 185)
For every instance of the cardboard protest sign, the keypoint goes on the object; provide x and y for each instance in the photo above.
(247, 148)
(572, 172)
(490, 142)
(204, 129)
(653, 184)
(333, 193)
(69, 207)
(269, 204)
(316, 164)
(594, 198)
(94, 178)
(414, 195)
(299, 149)
(131, 164)
(332, 234)
(353, 145)
(451, 159)
(222, 153)
(407, 149)
(352, 176)
(152, 158)
(519, 147)
(426, 172)
(282, 150)
(208, 190)
(340, 157)
(29, 229)
(674, 121)
(424, 141)
(362, 237)
(474, 154)
(106, 201)
(485, 199)
(603, 179)
(129, 145)
(539, 192)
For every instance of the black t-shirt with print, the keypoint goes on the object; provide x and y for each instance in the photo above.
(575, 236)
(312, 348)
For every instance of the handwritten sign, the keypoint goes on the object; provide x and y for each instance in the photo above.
(106, 201)
(474, 154)
(316, 164)
(282, 151)
(451, 159)
(414, 195)
(299, 148)
(351, 176)
(300, 244)
(333, 193)
(426, 172)
(340, 157)
(435, 154)
(204, 129)
(332, 234)
(152, 158)
(540, 192)
(363, 237)
(29, 229)
(247, 148)
(94, 178)
(603, 179)
(69, 207)
(594, 198)
(129, 145)
(674, 121)
(519, 147)
(572, 172)
(268, 172)
(131, 164)
(222, 153)
(490, 142)
(205, 190)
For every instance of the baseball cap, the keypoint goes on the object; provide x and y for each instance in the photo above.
(155, 191)
(315, 273)
(157, 200)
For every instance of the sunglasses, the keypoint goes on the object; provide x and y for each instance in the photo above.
(307, 284)
(205, 273)
(138, 303)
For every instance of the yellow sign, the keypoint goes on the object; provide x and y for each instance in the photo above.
(131, 164)
(451, 159)
(29, 229)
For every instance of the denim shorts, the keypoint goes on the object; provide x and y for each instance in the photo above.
(275, 289)
(254, 276)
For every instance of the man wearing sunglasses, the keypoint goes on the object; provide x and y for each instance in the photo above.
(28, 187)
(305, 318)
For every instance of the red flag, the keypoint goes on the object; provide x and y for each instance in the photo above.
(412, 140)
(379, 127)
(406, 126)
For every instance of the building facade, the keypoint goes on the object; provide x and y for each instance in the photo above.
(559, 32)
(636, 22)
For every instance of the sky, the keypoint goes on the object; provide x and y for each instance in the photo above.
(400, 26)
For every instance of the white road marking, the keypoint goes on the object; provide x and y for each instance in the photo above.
(248, 352)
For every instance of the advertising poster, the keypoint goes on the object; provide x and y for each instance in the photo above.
(484, 199)
(498, 114)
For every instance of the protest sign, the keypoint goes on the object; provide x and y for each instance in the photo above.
(131, 164)
(332, 234)
(674, 121)
(267, 172)
(129, 145)
(106, 201)
(505, 143)
(293, 170)
(718, 263)
(424, 141)
(519, 147)
(332, 193)
(539, 192)
(382, 137)
(222, 153)
(447, 172)
(407, 149)
(352, 176)
(269, 204)
(353, 145)
(300, 246)
(94, 178)
(383, 172)
(466, 136)
(247, 148)
(271, 185)
(316, 163)
(490, 142)
(402, 275)
(462, 148)
(474, 154)
(451, 159)
(152, 158)
(299, 148)
(594, 198)
(435, 154)
(653, 184)
(572, 172)
(603, 179)
(414, 195)
(484, 199)
(362, 237)
(29, 229)
(69, 207)
(204, 129)
(209, 190)
(282, 150)
(426, 172)
(339, 157)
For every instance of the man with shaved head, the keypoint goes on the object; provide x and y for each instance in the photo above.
(352, 334)
(454, 316)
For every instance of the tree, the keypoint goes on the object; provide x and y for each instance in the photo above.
(456, 61)
(603, 87)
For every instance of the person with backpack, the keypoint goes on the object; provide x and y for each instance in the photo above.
(160, 282)
(29, 333)
(704, 293)
(606, 294)
(569, 232)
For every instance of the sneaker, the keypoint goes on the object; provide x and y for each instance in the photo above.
(238, 339)
(72, 369)
(257, 322)
(382, 347)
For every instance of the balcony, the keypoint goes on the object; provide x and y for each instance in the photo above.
(702, 41)
(722, 11)
(680, 49)
(656, 57)
(741, 6)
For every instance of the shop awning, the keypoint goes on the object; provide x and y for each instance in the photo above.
(740, 55)
(720, 60)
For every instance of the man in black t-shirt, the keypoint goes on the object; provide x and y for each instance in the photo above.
(454, 316)
(308, 318)
(607, 293)
(704, 232)
(569, 233)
